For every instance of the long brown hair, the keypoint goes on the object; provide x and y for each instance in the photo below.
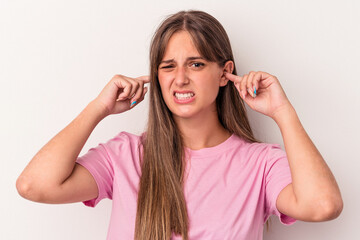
(161, 206)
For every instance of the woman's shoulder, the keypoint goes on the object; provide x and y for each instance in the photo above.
(258, 145)
(124, 139)
(261, 148)
(128, 135)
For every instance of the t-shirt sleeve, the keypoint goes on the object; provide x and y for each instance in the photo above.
(277, 177)
(98, 162)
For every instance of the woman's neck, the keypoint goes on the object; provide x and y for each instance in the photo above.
(203, 131)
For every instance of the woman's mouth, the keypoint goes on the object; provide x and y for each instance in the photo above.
(184, 97)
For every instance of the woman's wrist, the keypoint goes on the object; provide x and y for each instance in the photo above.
(99, 110)
(284, 113)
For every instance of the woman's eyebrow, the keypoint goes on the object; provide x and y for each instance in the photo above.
(188, 59)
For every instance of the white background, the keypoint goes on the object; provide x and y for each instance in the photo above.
(56, 56)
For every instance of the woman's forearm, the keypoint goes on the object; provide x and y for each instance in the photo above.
(55, 161)
(313, 183)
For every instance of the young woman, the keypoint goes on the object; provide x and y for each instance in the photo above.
(197, 172)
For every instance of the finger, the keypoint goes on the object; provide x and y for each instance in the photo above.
(266, 79)
(236, 80)
(126, 87)
(134, 88)
(237, 86)
(144, 92)
(144, 78)
(136, 102)
(232, 77)
(256, 83)
(243, 90)
(249, 85)
(138, 93)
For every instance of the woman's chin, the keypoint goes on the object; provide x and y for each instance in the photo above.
(184, 114)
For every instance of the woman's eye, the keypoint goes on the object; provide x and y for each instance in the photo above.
(169, 66)
(198, 64)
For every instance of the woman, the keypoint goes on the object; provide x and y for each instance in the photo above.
(197, 172)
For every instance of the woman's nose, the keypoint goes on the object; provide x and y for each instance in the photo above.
(181, 77)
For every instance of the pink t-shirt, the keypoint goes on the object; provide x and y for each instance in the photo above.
(230, 191)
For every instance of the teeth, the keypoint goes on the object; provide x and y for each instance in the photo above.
(184, 96)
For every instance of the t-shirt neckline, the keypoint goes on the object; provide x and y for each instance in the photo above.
(210, 151)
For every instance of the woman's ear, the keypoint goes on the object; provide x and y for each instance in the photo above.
(228, 67)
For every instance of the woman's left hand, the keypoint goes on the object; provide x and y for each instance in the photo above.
(269, 99)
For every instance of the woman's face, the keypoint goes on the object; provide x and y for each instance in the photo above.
(189, 84)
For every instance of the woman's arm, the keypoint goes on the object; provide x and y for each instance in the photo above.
(55, 161)
(314, 187)
(52, 174)
(314, 194)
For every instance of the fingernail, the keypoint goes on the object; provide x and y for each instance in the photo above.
(243, 93)
(254, 91)
(250, 92)
(133, 103)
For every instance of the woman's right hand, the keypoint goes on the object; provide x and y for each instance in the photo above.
(120, 92)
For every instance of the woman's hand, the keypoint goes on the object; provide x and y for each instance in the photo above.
(122, 93)
(269, 99)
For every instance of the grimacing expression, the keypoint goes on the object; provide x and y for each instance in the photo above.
(189, 83)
